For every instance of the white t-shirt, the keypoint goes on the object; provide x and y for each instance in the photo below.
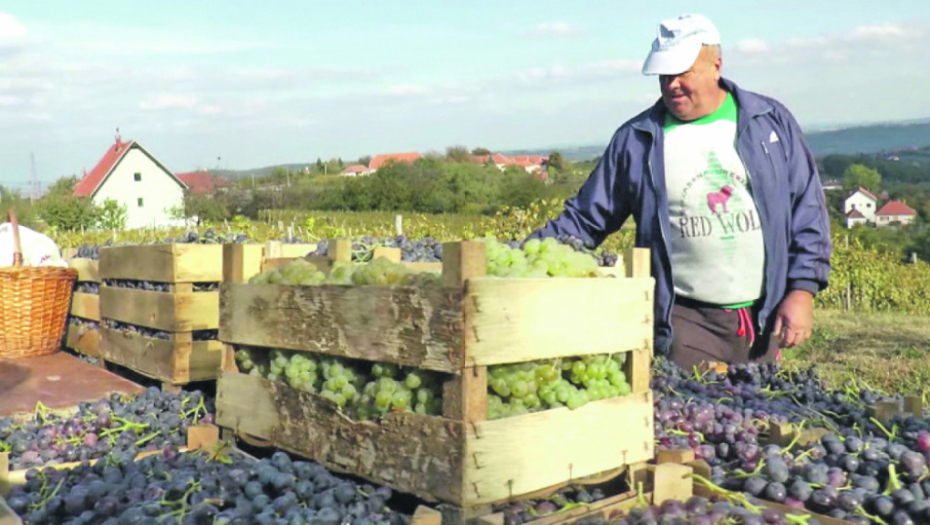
(718, 253)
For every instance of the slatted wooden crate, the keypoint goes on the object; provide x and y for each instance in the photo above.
(86, 306)
(180, 311)
(460, 328)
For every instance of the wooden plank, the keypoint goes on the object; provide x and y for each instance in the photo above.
(297, 250)
(88, 270)
(424, 266)
(85, 305)
(172, 312)
(83, 340)
(7, 516)
(514, 320)
(411, 326)
(465, 396)
(175, 362)
(391, 254)
(463, 261)
(340, 250)
(166, 263)
(512, 456)
(408, 452)
(637, 262)
(638, 368)
(241, 262)
(426, 516)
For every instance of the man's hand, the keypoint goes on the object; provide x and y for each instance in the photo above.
(795, 319)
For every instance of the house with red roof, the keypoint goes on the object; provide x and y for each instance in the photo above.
(133, 177)
(895, 212)
(379, 160)
(356, 170)
(203, 182)
(862, 201)
(854, 218)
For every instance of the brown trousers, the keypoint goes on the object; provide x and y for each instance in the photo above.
(708, 333)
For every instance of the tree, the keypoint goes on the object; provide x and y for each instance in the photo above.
(67, 212)
(365, 161)
(557, 161)
(858, 175)
(63, 186)
(457, 154)
(112, 215)
(480, 151)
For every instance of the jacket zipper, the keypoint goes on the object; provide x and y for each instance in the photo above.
(671, 283)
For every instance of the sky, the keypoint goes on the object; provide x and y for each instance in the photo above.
(239, 85)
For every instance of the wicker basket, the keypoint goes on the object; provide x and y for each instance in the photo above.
(34, 305)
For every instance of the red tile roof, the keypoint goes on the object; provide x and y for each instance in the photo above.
(201, 182)
(863, 190)
(87, 185)
(895, 208)
(356, 168)
(379, 160)
(854, 214)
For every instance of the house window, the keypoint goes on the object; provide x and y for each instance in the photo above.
(140, 202)
(138, 177)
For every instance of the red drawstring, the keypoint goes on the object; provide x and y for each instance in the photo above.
(745, 321)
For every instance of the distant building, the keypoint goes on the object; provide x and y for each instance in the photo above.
(379, 160)
(356, 170)
(832, 185)
(895, 212)
(130, 175)
(202, 182)
(854, 218)
(862, 201)
(530, 163)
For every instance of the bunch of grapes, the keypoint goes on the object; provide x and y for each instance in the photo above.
(197, 335)
(362, 389)
(198, 488)
(118, 424)
(379, 272)
(546, 258)
(533, 386)
(426, 249)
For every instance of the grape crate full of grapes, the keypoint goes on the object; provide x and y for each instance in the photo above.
(159, 309)
(510, 371)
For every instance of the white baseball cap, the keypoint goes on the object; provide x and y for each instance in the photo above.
(678, 44)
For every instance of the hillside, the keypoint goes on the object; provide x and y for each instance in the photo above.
(873, 138)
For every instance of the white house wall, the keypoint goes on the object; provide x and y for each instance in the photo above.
(861, 202)
(157, 189)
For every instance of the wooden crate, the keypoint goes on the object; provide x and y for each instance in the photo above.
(85, 306)
(460, 329)
(178, 311)
(175, 361)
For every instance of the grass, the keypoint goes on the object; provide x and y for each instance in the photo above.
(888, 352)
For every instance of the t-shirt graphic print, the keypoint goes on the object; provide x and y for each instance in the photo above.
(718, 253)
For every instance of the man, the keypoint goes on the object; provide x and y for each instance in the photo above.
(726, 195)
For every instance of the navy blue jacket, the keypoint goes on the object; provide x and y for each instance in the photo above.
(630, 180)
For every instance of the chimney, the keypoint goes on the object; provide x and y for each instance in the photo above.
(119, 142)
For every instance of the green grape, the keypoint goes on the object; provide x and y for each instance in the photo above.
(413, 380)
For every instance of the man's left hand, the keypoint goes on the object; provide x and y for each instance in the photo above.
(795, 319)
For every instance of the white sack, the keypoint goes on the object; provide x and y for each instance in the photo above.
(38, 249)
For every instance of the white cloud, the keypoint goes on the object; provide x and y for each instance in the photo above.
(752, 46)
(878, 31)
(11, 30)
(554, 29)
